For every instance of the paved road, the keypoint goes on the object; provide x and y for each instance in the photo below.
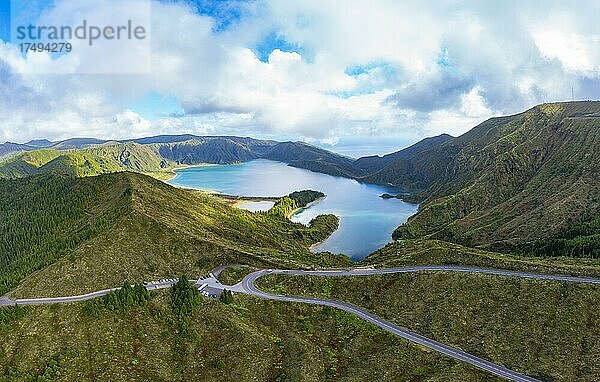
(221, 268)
(247, 286)
(6, 301)
(436, 268)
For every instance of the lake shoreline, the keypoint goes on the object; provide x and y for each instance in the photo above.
(171, 174)
(366, 220)
(299, 210)
(312, 248)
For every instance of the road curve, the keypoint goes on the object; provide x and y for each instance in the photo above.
(217, 271)
(247, 286)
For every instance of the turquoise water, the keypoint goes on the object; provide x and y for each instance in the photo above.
(366, 220)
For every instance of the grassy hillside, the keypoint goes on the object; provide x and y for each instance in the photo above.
(93, 233)
(249, 340)
(94, 160)
(370, 169)
(132, 156)
(62, 234)
(8, 149)
(27, 163)
(522, 184)
(373, 164)
(206, 150)
(79, 164)
(549, 330)
(435, 252)
(157, 156)
(515, 181)
(302, 155)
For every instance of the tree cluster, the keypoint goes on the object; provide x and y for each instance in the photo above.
(580, 240)
(127, 296)
(184, 297)
(303, 198)
(298, 199)
(120, 299)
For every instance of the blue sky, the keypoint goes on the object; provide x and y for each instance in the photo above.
(305, 69)
(153, 105)
(26, 12)
(5, 20)
(225, 13)
(273, 41)
(228, 15)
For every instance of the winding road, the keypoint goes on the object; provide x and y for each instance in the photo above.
(247, 286)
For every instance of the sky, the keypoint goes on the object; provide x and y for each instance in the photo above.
(338, 73)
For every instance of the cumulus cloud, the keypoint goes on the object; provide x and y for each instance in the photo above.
(336, 69)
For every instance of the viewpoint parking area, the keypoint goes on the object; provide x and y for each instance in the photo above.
(211, 292)
(209, 286)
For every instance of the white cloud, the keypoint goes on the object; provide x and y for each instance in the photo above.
(423, 69)
(474, 105)
(571, 49)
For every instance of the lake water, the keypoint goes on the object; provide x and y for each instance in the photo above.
(366, 220)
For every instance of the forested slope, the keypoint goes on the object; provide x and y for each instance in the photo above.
(517, 182)
(102, 159)
(91, 233)
(43, 218)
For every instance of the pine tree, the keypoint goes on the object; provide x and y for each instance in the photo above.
(226, 297)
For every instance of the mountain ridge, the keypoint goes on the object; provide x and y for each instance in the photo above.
(154, 155)
(83, 232)
(513, 181)
(510, 183)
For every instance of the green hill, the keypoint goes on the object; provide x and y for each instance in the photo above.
(206, 150)
(27, 163)
(525, 183)
(288, 205)
(513, 183)
(157, 156)
(249, 340)
(303, 155)
(79, 164)
(62, 235)
(373, 164)
(9, 149)
(97, 232)
(548, 330)
(396, 168)
(94, 160)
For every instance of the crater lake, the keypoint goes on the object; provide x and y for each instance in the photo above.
(366, 220)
